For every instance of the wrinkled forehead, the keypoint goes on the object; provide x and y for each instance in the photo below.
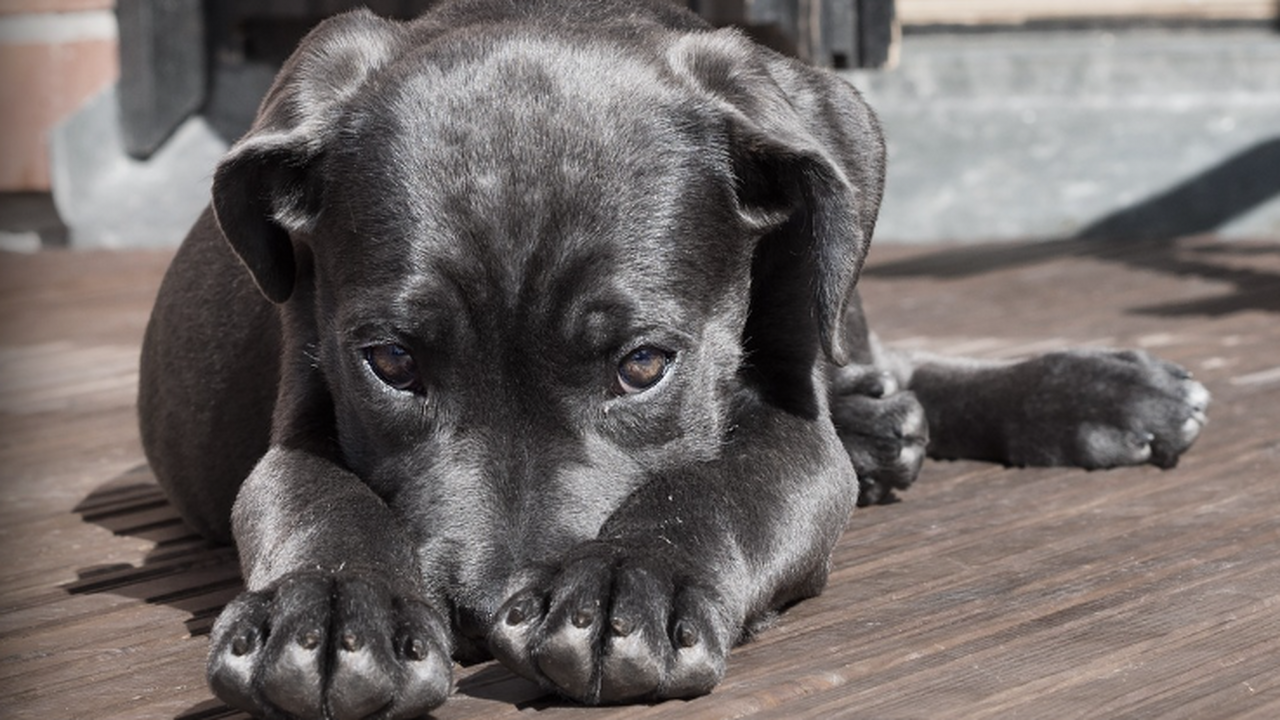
(525, 155)
(536, 125)
(528, 102)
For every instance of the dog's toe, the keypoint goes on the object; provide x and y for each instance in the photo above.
(611, 626)
(865, 380)
(383, 656)
(317, 645)
(1108, 446)
(1177, 416)
(886, 438)
(238, 639)
(1101, 409)
(1191, 430)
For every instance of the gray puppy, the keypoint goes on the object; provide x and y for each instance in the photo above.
(528, 329)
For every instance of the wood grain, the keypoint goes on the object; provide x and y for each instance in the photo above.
(986, 593)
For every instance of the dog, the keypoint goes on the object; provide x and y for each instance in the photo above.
(530, 331)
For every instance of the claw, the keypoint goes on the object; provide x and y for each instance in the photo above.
(351, 643)
(622, 627)
(415, 649)
(521, 612)
(686, 635)
(244, 644)
(309, 640)
(1198, 397)
(583, 618)
(1191, 428)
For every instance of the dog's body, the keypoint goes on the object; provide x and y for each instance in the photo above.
(559, 359)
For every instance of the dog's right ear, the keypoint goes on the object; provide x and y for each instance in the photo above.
(267, 187)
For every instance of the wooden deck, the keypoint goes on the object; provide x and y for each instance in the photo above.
(988, 592)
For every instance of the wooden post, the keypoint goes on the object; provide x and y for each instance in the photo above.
(162, 69)
(877, 32)
(831, 33)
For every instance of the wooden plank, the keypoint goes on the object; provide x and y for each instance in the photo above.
(986, 593)
(996, 12)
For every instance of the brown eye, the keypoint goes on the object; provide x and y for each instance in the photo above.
(642, 369)
(393, 365)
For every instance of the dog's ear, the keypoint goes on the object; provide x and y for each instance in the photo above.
(267, 187)
(808, 159)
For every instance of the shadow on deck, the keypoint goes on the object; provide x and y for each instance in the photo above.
(986, 592)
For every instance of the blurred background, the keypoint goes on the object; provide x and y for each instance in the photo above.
(1006, 119)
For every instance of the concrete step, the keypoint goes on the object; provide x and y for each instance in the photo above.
(1055, 134)
(992, 136)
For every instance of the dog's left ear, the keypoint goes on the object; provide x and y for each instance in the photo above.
(808, 159)
(268, 188)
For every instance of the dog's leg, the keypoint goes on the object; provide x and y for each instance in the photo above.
(208, 378)
(1087, 408)
(315, 634)
(677, 575)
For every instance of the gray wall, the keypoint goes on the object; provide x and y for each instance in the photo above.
(999, 136)
(1060, 134)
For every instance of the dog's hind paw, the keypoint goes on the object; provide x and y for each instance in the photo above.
(338, 647)
(883, 430)
(1100, 409)
(611, 626)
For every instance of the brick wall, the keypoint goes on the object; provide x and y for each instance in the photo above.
(54, 55)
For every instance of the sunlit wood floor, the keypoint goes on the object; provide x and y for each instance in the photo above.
(986, 593)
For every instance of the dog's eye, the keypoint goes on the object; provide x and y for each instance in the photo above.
(393, 365)
(642, 369)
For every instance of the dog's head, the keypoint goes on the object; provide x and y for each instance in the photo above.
(547, 257)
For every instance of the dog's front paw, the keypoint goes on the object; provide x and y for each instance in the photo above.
(883, 430)
(1099, 409)
(614, 624)
(341, 647)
